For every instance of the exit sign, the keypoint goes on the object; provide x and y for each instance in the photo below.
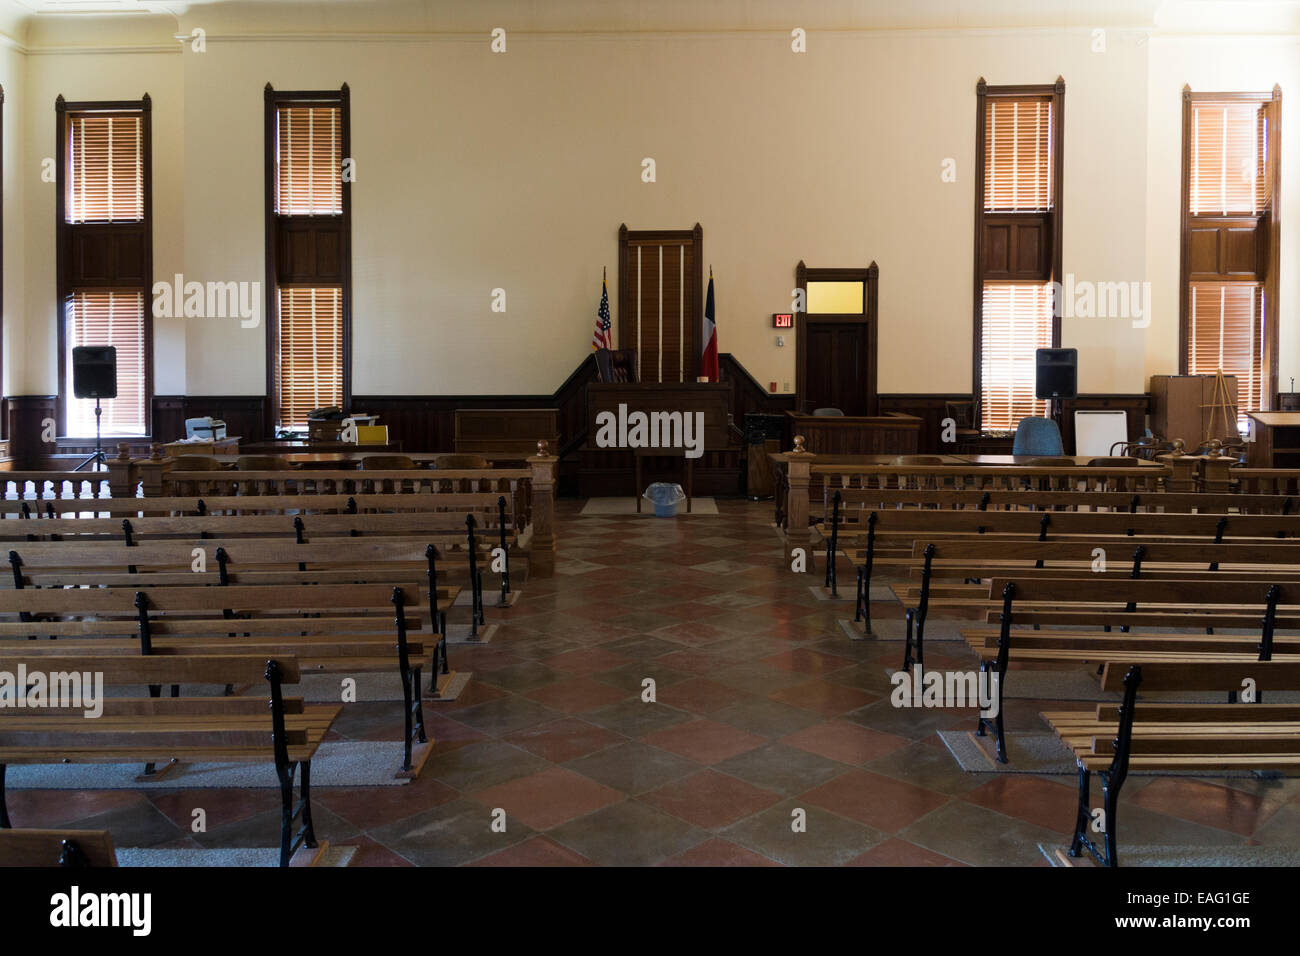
(782, 320)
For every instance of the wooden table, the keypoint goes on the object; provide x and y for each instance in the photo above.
(639, 453)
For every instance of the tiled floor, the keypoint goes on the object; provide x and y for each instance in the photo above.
(771, 738)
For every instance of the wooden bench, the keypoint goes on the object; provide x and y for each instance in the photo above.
(998, 499)
(64, 848)
(1110, 602)
(326, 628)
(960, 564)
(457, 531)
(169, 730)
(891, 534)
(1113, 740)
(227, 561)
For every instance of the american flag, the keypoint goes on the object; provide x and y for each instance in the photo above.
(600, 338)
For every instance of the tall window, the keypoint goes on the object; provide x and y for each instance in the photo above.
(104, 252)
(1017, 245)
(308, 254)
(1228, 317)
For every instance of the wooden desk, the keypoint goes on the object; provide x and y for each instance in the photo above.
(891, 434)
(711, 398)
(1277, 440)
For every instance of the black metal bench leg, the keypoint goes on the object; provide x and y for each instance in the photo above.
(1084, 817)
(4, 806)
(857, 607)
(285, 773)
(1110, 800)
(419, 702)
(907, 644)
(308, 828)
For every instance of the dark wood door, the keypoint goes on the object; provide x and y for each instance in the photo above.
(837, 367)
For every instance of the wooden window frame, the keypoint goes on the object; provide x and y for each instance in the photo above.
(870, 279)
(1274, 233)
(272, 100)
(982, 92)
(62, 109)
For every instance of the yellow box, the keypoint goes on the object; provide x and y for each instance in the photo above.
(372, 434)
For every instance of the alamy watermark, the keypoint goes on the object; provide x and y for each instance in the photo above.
(1085, 299)
(212, 300)
(922, 688)
(683, 430)
(38, 690)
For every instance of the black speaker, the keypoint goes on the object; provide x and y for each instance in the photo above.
(94, 371)
(1056, 373)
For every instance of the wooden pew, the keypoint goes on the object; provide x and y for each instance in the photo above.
(1035, 500)
(168, 730)
(891, 534)
(325, 628)
(1205, 738)
(451, 530)
(970, 559)
(1112, 602)
(64, 848)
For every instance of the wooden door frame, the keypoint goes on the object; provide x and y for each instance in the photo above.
(870, 279)
(695, 236)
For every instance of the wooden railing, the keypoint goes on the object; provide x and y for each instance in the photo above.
(802, 484)
(1266, 481)
(54, 484)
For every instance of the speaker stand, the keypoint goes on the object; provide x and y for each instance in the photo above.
(98, 459)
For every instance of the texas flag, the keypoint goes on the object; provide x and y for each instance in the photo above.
(709, 360)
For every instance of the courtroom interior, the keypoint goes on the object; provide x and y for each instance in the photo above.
(501, 433)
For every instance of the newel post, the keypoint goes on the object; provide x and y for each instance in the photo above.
(153, 472)
(798, 465)
(1216, 468)
(541, 556)
(121, 473)
(1183, 466)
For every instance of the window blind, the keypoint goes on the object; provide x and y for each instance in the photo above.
(1016, 320)
(1228, 158)
(105, 173)
(117, 319)
(1227, 332)
(309, 161)
(1018, 154)
(310, 350)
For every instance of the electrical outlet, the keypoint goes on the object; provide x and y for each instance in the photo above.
(785, 387)
(780, 341)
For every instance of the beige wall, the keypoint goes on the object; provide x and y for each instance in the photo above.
(477, 171)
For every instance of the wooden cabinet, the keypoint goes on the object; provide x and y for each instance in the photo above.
(1180, 407)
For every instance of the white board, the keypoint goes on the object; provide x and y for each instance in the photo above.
(1097, 431)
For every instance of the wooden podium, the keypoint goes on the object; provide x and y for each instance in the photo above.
(891, 434)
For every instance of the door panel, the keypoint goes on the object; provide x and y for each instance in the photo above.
(836, 364)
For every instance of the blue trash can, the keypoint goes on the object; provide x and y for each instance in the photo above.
(665, 496)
